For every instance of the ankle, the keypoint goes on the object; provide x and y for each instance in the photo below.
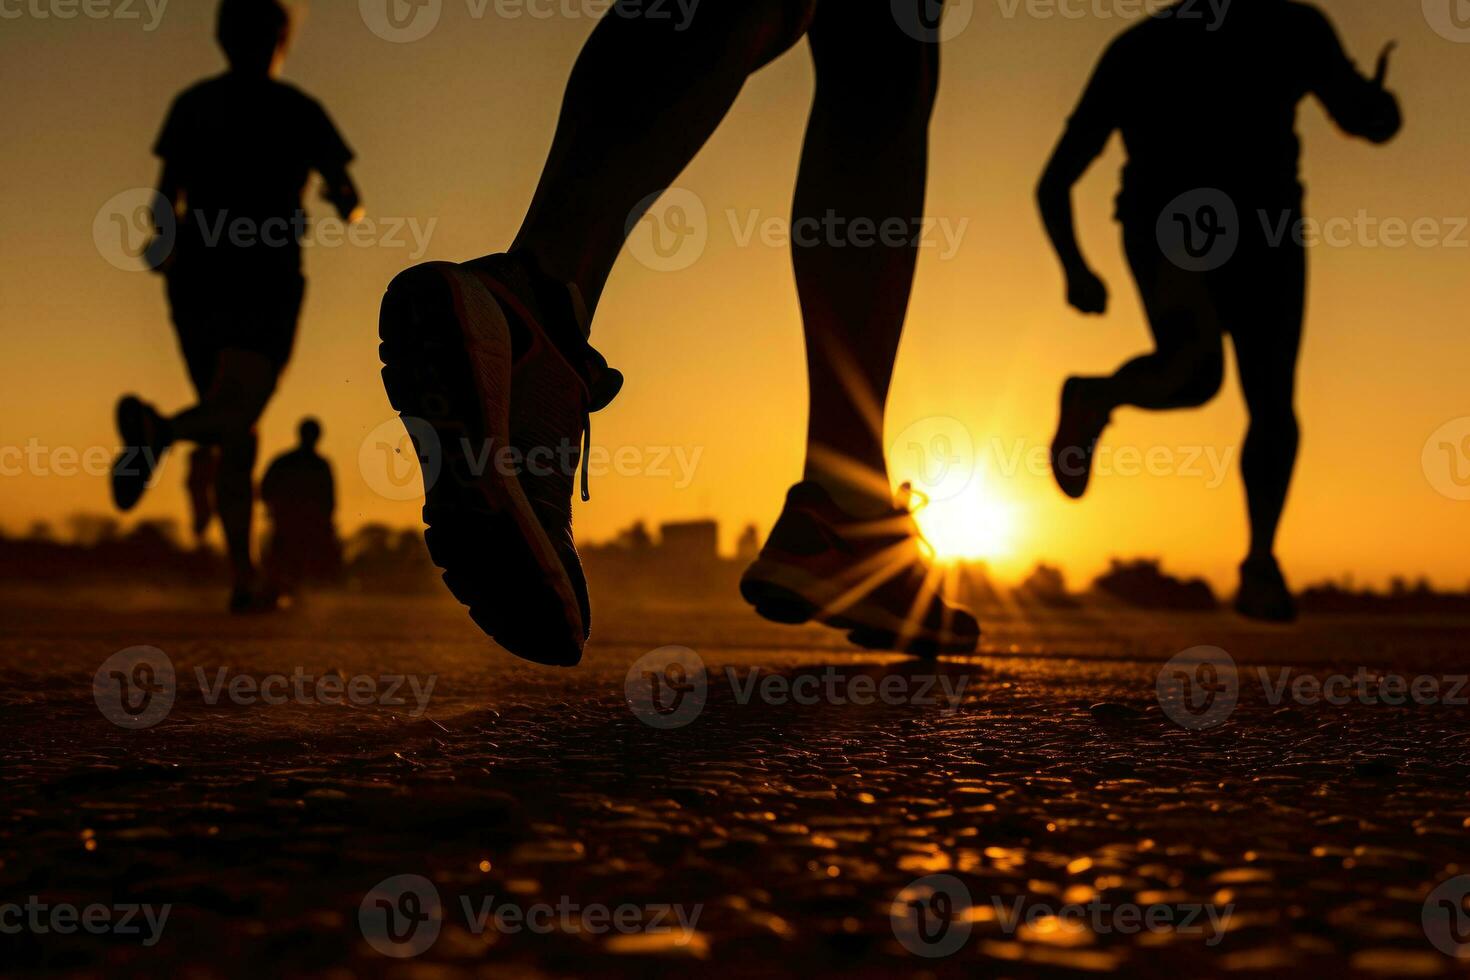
(854, 500)
(555, 288)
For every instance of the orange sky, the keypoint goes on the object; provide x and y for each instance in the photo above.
(451, 131)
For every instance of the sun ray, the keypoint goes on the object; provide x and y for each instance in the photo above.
(858, 390)
(886, 564)
(858, 475)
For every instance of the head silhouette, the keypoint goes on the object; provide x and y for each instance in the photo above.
(254, 35)
(310, 433)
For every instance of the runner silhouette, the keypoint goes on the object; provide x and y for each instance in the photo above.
(1210, 207)
(237, 150)
(496, 350)
(300, 496)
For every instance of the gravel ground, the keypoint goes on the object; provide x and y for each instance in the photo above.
(756, 801)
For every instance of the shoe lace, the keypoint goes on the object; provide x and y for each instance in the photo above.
(905, 503)
(586, 451)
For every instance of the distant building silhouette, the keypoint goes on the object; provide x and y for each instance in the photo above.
(749, 545)
(690, 541)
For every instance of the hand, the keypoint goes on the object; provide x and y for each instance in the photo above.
(1381, 76)
(1086, 292)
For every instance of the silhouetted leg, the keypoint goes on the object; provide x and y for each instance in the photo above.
(235, 491)
(1187, 365)
(645, 95)
(855, 234)
(203, 473)
(1183, 371)
(1267, 335)
(243, 384)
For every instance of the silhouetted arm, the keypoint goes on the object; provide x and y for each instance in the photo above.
(1083, 142)
(1360, 106)
(339, 190)
(174, 147)
(168, 206)
(330, 155)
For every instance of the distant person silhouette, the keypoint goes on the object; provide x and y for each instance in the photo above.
(301, 498)
(237, 151)
(496, 350)
(1209, 207)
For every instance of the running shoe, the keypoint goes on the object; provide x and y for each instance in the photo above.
(477, 358)
(1081, 425)
(144, 435)
(868, 576)
(1264, 594)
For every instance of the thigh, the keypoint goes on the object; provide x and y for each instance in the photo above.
(883, 45)
(773, 26)
(244, 381)
(1179, 304)
(196, 339)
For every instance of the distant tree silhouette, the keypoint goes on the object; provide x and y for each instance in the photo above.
(1141, 583)
(1045, 586)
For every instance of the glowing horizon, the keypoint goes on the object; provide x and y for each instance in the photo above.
(713, 348)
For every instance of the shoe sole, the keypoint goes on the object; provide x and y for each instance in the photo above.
(793, 597)
(128, 488)
(1073, 487)
(446, 353)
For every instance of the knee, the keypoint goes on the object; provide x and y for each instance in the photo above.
(1202, 373)
(759, 31)
(882, 76)
(237, 452)
(1274, 420)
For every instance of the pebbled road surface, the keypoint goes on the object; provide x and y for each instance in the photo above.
(764, 801)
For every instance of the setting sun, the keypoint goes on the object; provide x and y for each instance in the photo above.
(972, 525)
